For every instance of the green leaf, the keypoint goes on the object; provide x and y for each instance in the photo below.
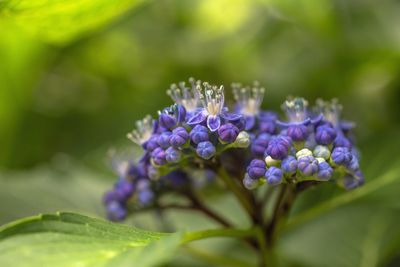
(50, 188)
(63, 21)
(347, 237)
(68, 239)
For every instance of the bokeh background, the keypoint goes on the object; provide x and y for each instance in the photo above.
(74, 76)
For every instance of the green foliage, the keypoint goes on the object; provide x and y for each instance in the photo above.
(63, 21)
(67, 239)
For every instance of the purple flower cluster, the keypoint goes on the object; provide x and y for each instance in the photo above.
(309, 146)
(199, 132)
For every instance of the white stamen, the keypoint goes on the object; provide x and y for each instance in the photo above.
(332, 110)
(186, 96)
(212, 98)
(249, 98)
(143, 131)
(296, 109)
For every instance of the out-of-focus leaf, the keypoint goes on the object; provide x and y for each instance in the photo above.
(49, 189)
(68, 239)
(63, 21)
(351, 236)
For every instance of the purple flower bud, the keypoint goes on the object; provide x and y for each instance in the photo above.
(341, 156)
(325, 134)
(167, 120)
(297, 132)
(152, 143)
(274, 175)
(163, 139)
(159, 156)
(250, 183)
(179, 137)
(360, 177)
(289, 165)
(205, 150)
(267, 127)
(353, 165)
(256, 168)
(308, 165)
(171, 116)
(353, 181)
(342, 141)
(124, 189)
(285, 140)
(325, 171)
(228, 133)
(145, 196)
(173, 155)
(240, 123)
(116, 211)
(110, 196)
(278, 147)
(199, 134)
(260, 144)
(152, 172)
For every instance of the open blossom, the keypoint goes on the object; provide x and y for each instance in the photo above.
(188, 97)
(248, 102)
(171, 116)
(143, 131)
(213, 112)
(299, 119)
(332, 115)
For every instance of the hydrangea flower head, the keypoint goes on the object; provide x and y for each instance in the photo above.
(197, 133)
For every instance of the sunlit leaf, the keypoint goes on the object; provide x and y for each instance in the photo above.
(67, 239)
(62, 21)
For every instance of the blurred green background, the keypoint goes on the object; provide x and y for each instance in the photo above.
(74, 76)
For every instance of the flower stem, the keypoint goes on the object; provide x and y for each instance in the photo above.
(198, 205)
(283, 204)
(237, 190)
(264, 255)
